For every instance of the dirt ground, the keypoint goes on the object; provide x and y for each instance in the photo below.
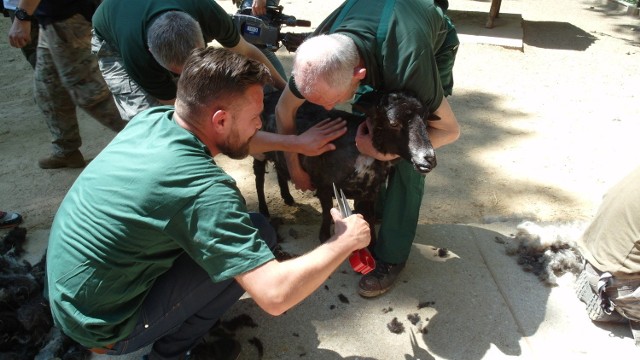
(545, 129)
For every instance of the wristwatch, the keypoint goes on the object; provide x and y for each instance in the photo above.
(21, 14)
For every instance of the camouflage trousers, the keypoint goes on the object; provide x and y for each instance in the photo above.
(66, 76)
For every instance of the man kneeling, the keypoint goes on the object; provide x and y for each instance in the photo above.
(153, 242)
(610, 283)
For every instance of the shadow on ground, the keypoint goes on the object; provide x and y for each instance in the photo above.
(626, 27)
(486, 125)
(556, 35)
(467, 307)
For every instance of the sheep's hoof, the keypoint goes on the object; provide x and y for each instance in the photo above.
(288, 199)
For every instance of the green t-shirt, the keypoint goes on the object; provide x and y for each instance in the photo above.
(406, 59)
(123, 24)
(153, 194)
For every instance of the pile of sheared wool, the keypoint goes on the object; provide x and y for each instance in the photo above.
(548, 251)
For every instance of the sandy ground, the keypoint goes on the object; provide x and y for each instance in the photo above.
(545, 130)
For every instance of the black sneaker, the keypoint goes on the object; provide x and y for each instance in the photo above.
(379, 280)
(224, 348)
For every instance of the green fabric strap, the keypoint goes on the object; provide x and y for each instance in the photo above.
(383, 26)
(347, 6)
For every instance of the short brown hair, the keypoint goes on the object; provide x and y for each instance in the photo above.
(212, 76)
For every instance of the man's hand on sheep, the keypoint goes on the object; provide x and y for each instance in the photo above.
(364, 143)
(313, 142)
(318, 138)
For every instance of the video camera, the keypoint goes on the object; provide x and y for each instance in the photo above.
(264, 31)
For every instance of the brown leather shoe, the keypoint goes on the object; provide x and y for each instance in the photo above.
(72, 160)
(379, 280)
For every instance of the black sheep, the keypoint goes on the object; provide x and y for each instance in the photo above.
(398, 124)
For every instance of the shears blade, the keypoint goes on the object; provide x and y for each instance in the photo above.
(343, 204)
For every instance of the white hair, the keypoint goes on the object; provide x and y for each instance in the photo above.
(330, 58)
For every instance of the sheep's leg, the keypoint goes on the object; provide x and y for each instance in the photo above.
(367, 209)
(259, 169)
(326, 203)
(284, 190)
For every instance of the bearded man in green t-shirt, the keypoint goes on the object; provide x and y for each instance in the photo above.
(153, 242)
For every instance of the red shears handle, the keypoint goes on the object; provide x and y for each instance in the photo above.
(361, 261)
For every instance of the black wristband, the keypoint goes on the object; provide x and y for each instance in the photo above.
(294, 88)
(21, 14)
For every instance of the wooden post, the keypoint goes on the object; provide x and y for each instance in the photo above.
(493, 13)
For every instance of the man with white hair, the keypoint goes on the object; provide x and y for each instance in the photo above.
(379, 45)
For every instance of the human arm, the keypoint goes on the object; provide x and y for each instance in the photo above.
(446, 129)
(20, 31)
(259, 7)
(245, 48)
(441, 132)
(323, 132)
(286, 110)
(278, 286)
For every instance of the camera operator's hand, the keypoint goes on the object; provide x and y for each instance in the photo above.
(20, 33)
(259, 7)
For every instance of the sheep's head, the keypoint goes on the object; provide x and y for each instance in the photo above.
(399, 127)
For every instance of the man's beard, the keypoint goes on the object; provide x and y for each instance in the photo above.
(233, 148)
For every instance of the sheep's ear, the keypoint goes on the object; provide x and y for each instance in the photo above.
(365, 108)
(370, 97)
(367, 102)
